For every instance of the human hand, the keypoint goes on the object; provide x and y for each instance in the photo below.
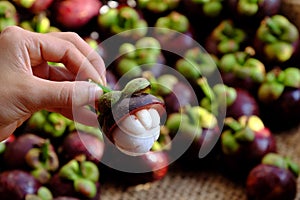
(29, 84)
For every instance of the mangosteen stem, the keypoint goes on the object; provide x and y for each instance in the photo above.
(45, 151)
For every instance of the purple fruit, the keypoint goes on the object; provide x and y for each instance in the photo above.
(16, 184)
(32, 153)
(274, 179)
(244, 104)
(225, 38)
(244, 143)
(250, 13)
(78, 143)
(78, 178)
(276, 39)
(241, 69)
(75, 14)
(194, 132)
(279, 96)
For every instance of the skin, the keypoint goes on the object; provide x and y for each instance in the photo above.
(29, 84)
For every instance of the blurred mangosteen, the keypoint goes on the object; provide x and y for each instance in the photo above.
(274, 179)
(244, 143)
(226, 37)
(276, 40)
(279, 96)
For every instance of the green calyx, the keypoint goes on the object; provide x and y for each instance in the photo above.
(8, 15)
(174, 21)
(165, 84)
(275, 82)
(134, 58)
(158, 6)
(195, 64)
(229, 37)
(277, 160)
(243, 66)
(239, 131)
(42, 160)
(50, 123)
(212, 8)
(248, 7)
(277, 28)
(43, 193)
(123, 19)
(84, 175)
(135, 86)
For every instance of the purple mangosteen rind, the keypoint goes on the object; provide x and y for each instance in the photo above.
(270, 182)
(16, 184)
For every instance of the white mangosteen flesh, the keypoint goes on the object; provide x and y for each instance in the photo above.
(136, 134)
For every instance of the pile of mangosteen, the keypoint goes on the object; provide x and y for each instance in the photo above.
(191, 83)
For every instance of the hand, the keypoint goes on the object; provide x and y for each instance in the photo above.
(29, 84)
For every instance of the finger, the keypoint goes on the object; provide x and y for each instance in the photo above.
(81, 115)
(93, 57)
(54, 73)
(49, 48)
(52, 94)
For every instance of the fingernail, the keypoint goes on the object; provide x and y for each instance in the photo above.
(95, 93)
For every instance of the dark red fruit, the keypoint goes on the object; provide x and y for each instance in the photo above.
(79, 143)
(35, 6)
(244, 144)
(132, 170)
(16, 184)
(74, 14)
(243, 105)
(16, 151)
(274, 179)
(266, 182)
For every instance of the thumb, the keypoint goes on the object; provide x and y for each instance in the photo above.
(50, 94)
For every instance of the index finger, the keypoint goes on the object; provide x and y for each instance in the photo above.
(54, 49)
(93, 57)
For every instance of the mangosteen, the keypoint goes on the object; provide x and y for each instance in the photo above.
(204, 14)
(250, 13)
(196, 63)
(276, 40)
(78, 178)
(39, 23)
(279, 96)
(32, 153)
(275, 178)
(241, 69)
(48, 124)
(176, 93)
(131, 118)
(114, 19)
(226, 37)
(75, 14)
(16, 184)
(152, 10)
(236, 102)
(173, 31)
(8, 15)
(34, 6)
(244, 143)
(133, 170)
(144, 55)
(194, 132)
(78, 143)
